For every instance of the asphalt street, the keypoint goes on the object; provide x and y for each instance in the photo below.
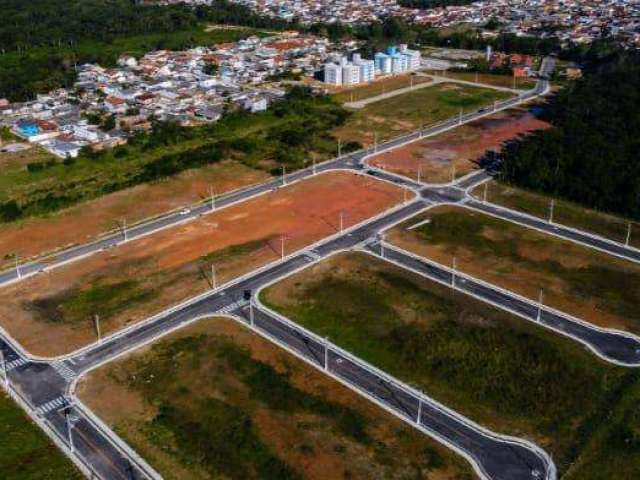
(45, 386)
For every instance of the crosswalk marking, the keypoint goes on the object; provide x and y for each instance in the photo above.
(64, 371)
(51, 405)
(16, 363)
(232, 306)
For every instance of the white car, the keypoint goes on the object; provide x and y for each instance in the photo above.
(185, 211)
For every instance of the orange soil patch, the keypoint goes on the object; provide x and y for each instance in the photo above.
(327, 452)
(170, 265)
(83, 223)
(454, 152)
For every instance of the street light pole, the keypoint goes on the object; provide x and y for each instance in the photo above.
(626, 242)
(419, 411)
(453, 273)
(214, 283)
(484, 196)
(460, 117)
(552, 204)
(284, 172)
(341, 221)
(326, 354)
(282, 247)
(124, 228)
(539, 316)
(96, 321)
(3, 364)
(419, 172)
(18, 273)
(339, 148)
(251, 319)
(68, 422)
(213, 198)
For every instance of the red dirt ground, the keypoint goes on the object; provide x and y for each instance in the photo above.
(457, 148)
(85, 222)
(167, 261)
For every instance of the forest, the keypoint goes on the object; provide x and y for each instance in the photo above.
(591, 154)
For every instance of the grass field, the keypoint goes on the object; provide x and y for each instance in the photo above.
(565, 212)
(380, 86)
(216, 401)
(596, 287)
(51, 314)
(493, 79)
(404, 113)
(499, 370)
(25, 451)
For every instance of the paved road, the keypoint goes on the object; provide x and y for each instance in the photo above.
(598, 243)
(497, 458)
(351, 161)
(44, 385)
(612, 345)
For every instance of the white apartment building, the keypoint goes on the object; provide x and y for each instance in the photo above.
(350, 74)
(333, 74)
(367, 70)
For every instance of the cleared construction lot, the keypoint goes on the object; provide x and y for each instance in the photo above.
(53, 313)
(452, 154)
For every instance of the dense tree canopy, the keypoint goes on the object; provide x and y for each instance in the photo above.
(592, 153)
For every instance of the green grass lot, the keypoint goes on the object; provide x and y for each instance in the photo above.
(497, 369)
(493, 79)
(291, 133)
(404, 113)
(565, 212)
(578, 280)
(25, 451)
(221, 402)
(380, 86)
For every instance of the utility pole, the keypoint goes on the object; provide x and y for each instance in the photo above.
(284, 178)
(213, 198)
(214, 283)
(339, 148)
(626, 242)
(539, 316)
(124, 228)
(341, 221)
(551, 205)
(419, 411)
(282, 247)
(484, 196)
(460, 118)
(251, 319)
(96, 323)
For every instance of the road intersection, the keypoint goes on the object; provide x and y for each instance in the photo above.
(45, 387)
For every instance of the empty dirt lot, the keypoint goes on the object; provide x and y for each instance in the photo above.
(86, 221)
(453, 153)
(53, 313)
